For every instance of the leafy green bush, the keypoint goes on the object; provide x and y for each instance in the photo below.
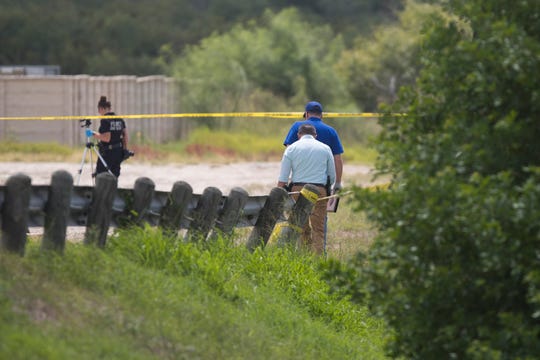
(455, 270)
(270, 65)
(379, 64)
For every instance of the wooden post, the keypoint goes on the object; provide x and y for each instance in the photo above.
(100, 212)
(175, 208)
(230, 214)
(57, 210)
(300, 212)
(143, 193)
(15, 213)
(268, 216)
(204, 215)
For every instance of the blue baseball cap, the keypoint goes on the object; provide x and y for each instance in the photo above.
(314, 106)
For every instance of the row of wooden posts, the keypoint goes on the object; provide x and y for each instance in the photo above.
(59, 205)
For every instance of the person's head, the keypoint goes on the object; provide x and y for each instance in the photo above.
(313, 109)
(307, 129)
(104, 106)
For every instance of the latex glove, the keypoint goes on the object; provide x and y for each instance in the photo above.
(337, 187)
(89, 133)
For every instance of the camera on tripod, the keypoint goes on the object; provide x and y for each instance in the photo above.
(85, 122)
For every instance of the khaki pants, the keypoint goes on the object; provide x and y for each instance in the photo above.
(312, 237)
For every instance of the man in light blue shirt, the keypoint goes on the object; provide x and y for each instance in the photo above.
(308, 161)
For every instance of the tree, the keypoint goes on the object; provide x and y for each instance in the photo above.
(455, 269)
(125, 37)
(378, 65)
(267, 66)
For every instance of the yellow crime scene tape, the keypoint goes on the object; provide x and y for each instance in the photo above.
(195, 115)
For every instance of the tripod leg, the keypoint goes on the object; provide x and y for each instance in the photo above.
(82, 165)
(103, 162)
(92, 174)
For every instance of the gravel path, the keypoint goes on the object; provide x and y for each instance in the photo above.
(257, 178)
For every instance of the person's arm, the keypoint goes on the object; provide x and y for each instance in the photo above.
(105, 137)
(284, 172)
(338, 162)
(331, 168)
(125, 138)
(292, 135)
(104, 132)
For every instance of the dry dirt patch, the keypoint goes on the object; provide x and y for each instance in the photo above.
(257, 178)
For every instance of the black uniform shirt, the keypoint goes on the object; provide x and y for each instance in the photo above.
(115, 127)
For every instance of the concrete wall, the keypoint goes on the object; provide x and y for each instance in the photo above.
(78, 95)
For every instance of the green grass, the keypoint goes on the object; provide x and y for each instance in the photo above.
(251, 146)
(360, 154)
(32, 148)
(214, 144)
(203, 144)
(148, 296)
(348, 232)
(17, 151)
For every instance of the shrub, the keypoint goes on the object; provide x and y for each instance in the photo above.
(455, 269)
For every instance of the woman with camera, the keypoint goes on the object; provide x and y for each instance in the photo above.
(113, 139)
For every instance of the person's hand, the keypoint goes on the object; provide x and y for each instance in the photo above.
(89, 133)
(337, 187)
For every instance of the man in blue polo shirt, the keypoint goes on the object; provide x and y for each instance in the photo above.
(309, 161)
(325, 134)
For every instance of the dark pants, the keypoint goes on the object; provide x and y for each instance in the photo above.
(112, 158)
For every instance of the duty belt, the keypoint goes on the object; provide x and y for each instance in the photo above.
(110, 147)
(303, 183)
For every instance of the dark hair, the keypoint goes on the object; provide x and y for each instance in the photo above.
(307, 129)
(103, 103)
(314, 112)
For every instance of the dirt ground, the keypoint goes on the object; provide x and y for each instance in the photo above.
(257, 178)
